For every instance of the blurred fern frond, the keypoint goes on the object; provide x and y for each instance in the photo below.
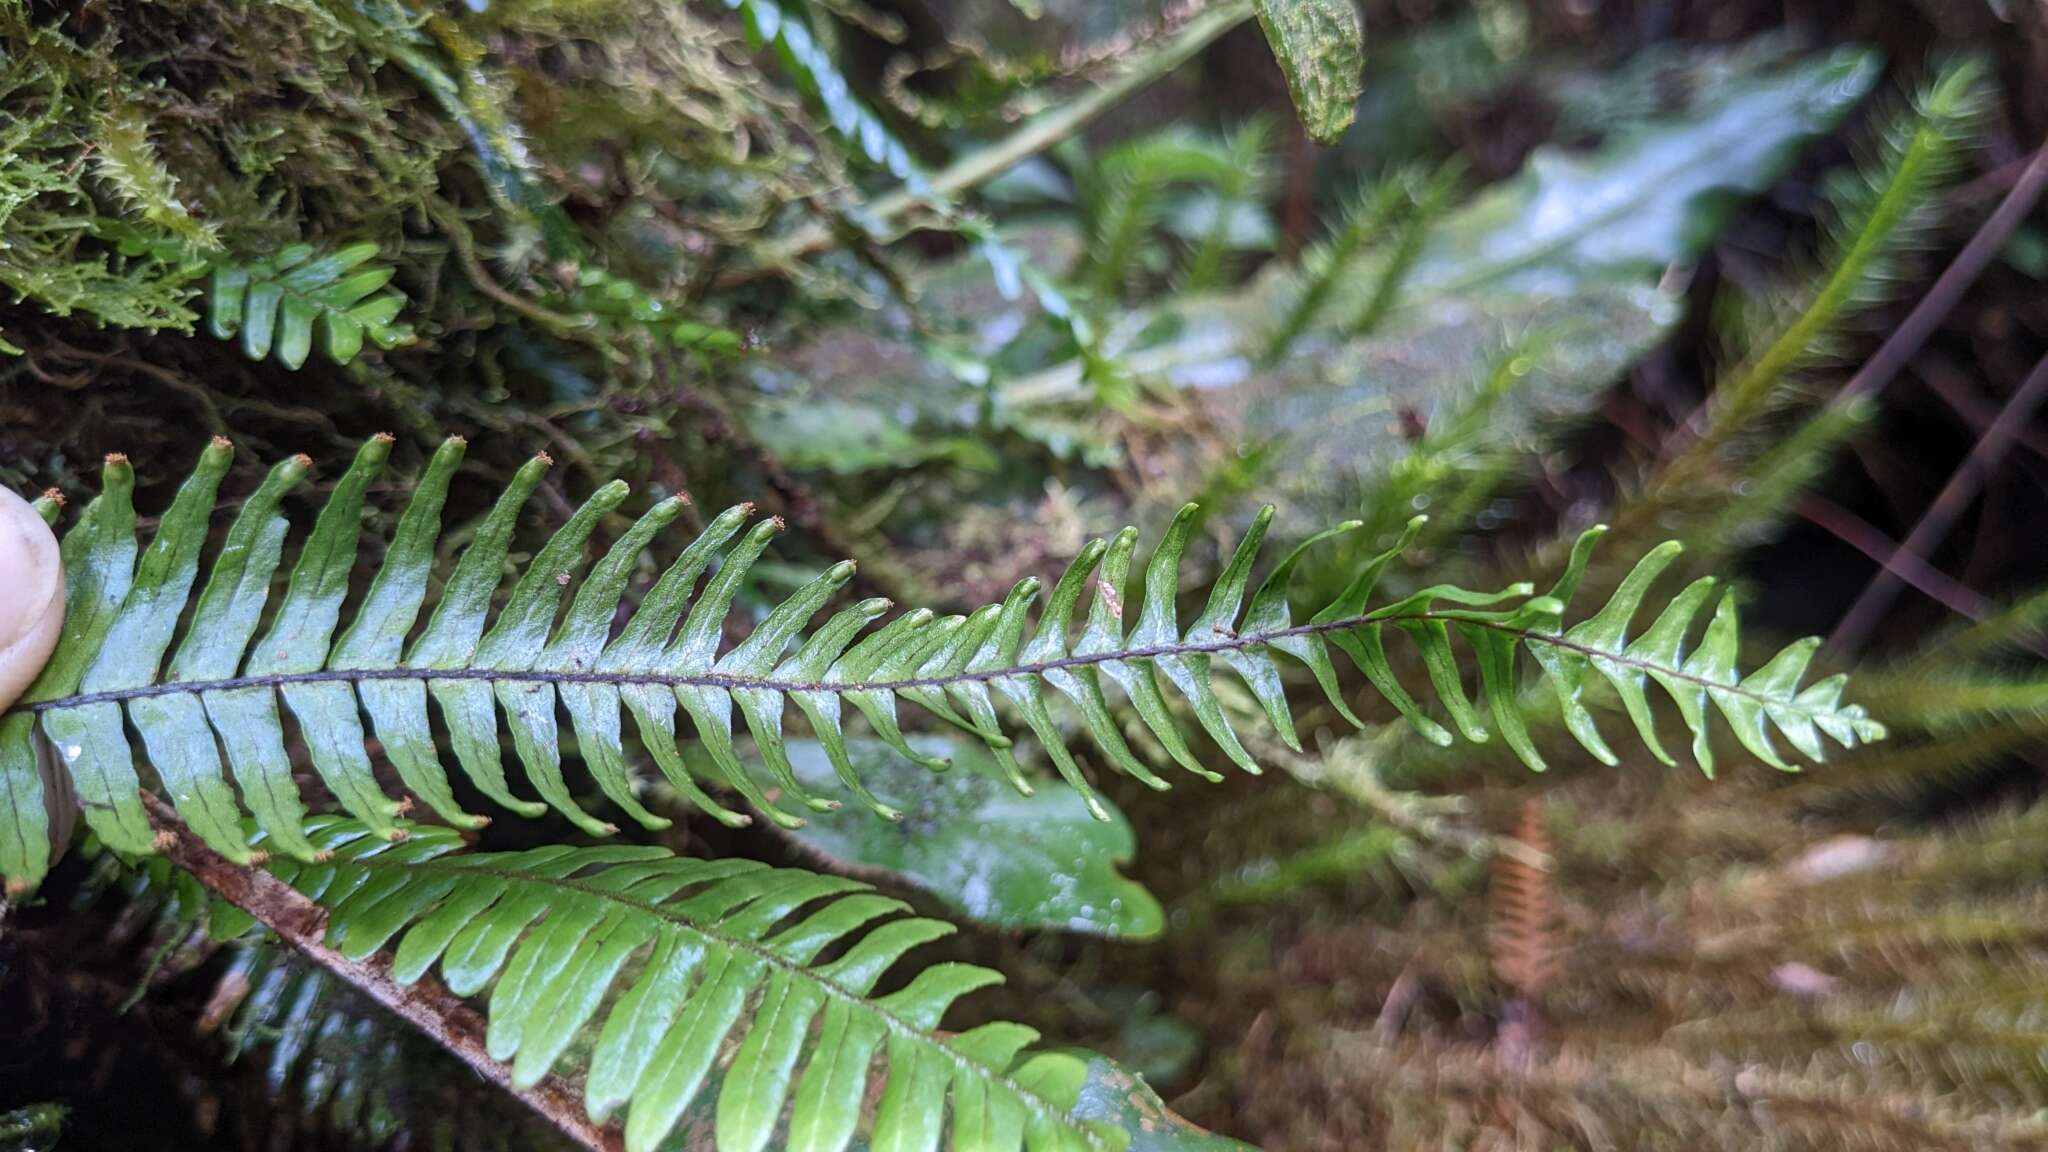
(806, 60)
(337, 1070)
(1527, 953)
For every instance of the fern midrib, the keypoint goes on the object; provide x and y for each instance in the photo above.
(831, 988)
(731, 682)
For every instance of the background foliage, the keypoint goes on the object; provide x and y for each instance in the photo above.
(954, 290)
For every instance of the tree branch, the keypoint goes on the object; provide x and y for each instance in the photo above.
(427, 1005)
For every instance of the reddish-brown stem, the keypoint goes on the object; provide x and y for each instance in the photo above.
(1948, 381)
(1962, 488)
(426, 1005)
(1866, 538)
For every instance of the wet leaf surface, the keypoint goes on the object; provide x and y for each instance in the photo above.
(967, 837)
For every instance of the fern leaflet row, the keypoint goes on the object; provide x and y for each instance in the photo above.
(690, 992)
(276, 303)
(531, 659)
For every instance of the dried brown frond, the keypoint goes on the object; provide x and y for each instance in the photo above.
(1528, 954)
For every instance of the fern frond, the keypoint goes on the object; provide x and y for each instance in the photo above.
(1770, 697)
(689, 991)
(1880, 211)
(1524, 942)
(340, 1071)
(339, 1066)
(475, 664)
(275, 304)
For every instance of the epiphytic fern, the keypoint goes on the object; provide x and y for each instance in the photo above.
(475, 664)
(276, 302)
(686, 991)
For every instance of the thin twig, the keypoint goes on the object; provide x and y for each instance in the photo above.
(427, 1006)
(1948, 382)
(1866, 538)
(1956, 496)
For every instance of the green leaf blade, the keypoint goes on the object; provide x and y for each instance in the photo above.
(1320, 45)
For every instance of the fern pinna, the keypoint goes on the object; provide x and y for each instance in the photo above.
(680, 992)
(275, 304)
(521, 662)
